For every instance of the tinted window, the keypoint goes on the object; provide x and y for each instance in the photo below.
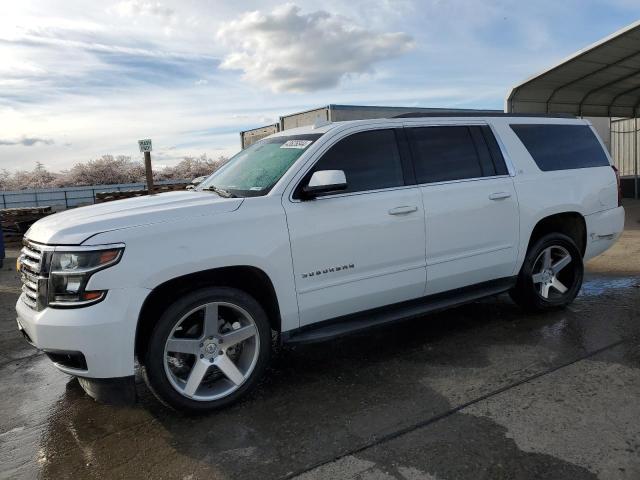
(562, 147)
(370, 160)
(484, 155)
(444, 153)
(494, 149)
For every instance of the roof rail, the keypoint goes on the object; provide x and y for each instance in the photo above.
(483, 114)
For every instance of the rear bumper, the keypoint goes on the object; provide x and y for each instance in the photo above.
(102, 335)
(603, 230)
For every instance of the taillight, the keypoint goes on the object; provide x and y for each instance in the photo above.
(619, 185)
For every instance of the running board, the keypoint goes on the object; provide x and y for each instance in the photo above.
(348, 324)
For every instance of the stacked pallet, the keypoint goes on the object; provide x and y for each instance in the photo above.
(16, 221)
(110, 196)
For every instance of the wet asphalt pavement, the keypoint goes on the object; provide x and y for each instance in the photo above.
(481, 391)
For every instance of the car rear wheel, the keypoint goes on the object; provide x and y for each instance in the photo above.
(208, 349)
(551, 275)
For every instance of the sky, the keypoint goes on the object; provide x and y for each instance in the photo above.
(79, 79)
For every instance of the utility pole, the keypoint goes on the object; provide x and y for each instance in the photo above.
(145, 147)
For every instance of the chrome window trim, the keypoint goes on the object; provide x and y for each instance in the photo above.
(462, 180)
(403, 187)
(350, 194)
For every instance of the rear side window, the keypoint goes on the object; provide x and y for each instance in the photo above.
(561, 147)
(370, 161)
(445, 153)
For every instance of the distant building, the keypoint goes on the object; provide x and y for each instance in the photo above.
(339, 113)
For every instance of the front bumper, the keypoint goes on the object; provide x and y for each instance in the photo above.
(103, 333)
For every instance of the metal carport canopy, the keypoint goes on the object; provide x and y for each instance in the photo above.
(603, 80)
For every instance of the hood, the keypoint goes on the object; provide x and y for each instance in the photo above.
(74, 226)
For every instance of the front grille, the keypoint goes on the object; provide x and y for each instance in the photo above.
(32, 273)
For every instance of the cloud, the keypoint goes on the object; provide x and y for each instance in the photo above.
(130, 8)
(41, 65)
(286, 50)
(27, 141)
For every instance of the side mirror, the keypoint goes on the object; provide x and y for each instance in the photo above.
(325, 181)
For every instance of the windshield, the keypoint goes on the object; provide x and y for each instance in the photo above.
(256, 169)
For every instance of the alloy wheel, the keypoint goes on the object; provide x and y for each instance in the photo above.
(211, 351)
(551, 277)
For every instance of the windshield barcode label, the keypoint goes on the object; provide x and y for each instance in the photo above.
(301, 144)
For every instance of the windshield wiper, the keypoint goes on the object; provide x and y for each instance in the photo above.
(220, 191)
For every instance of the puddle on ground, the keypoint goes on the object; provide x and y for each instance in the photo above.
(600, 285)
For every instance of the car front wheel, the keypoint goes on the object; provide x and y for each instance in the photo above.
(208, 349)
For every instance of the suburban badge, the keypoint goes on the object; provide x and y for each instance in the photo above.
(328, 270)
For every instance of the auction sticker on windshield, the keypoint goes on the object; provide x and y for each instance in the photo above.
(301, 144)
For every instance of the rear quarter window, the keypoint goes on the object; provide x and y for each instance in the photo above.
(561, 147)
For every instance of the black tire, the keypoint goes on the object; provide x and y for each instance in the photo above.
(527, 294)
(154, 362)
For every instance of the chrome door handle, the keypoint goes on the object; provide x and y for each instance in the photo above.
(403, 210)
(499, 195)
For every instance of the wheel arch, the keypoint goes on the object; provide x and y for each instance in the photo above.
(569, 223)
(249, 279)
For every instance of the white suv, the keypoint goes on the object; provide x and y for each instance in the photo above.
(314, 233)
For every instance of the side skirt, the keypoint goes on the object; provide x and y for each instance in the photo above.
(337, 327)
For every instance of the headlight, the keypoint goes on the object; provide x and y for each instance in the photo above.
(69, 274)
